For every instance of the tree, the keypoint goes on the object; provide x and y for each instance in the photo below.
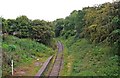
(12, 25)
(38, 22)
(42, 34)
(59, 23)
(5, 27)
(23, 26)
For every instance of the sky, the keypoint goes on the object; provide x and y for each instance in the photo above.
(48, 10)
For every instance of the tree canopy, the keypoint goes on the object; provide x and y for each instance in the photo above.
(23, 27)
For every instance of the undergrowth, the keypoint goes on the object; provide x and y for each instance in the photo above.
(22, 51)
(81, 58)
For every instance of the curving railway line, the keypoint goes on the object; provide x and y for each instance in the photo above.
(58, 61)
(57, 66)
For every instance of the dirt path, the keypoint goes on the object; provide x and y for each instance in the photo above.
(28, 69)
(58, 61)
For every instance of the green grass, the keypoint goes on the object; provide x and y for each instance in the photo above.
(22, 51)
(81, 58)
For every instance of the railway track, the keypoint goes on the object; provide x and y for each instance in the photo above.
(57, 63)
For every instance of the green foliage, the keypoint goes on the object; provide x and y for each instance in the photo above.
(42, 34)
(89, 59)
(87, 73)
(5, 27)
(12, 47)
(58, 25)
(69, 34)
(114, 37)
(22, 51)
(94, 23)
(92, 39)
(23, 27)
(116, 31)
(37, 22)
(116, 20)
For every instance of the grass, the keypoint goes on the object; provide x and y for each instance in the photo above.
(81, 58)
(23, 52)
(68, 60)
(30, 68)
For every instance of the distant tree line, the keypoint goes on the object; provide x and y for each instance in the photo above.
(97, 24)
(23, 27)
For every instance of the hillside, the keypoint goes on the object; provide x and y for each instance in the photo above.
(90, 36)
(81, 58)
(24, 52)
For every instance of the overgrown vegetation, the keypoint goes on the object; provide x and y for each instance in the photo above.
(92, 40)
(22, 51)
(96, 23)
(23, 27)
(81, 58)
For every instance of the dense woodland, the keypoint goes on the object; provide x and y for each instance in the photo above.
(95, 23)
(23, 27)
(98, 25)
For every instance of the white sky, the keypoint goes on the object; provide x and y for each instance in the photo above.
(48, 10)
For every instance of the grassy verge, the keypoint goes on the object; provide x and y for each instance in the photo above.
(81, 58)
(67, 62)
(24, 52)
